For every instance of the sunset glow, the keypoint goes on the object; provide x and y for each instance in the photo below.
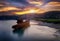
(25, 12)
(30, 11)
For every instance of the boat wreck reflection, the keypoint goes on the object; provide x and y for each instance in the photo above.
(19, 32)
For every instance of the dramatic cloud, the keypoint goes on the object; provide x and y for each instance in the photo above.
(54, 3)
(56, 0)
(41, 1)
(20, 1)
(35, 2)
(29, 6)
(1, 5)
(8, 9)
(16, 4)
(52, 6)
(8, 6)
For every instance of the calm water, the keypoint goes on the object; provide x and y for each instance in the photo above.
(36, 32)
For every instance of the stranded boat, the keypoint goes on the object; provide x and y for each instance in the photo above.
(21, 24)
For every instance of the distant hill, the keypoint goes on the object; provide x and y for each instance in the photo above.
(11, 17)
(46, 15)
(5, 17)
(52, 15)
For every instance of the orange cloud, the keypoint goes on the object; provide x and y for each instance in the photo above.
(35, 2)
(8, 9)
(1, 5)
(52, 6)
(54, 3)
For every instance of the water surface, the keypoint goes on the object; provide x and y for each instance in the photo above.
(36, 32)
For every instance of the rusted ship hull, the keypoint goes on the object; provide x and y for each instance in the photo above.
(21, 25)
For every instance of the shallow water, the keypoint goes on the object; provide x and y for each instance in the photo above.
(36, 32)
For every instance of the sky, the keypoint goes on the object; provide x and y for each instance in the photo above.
(24, 6)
